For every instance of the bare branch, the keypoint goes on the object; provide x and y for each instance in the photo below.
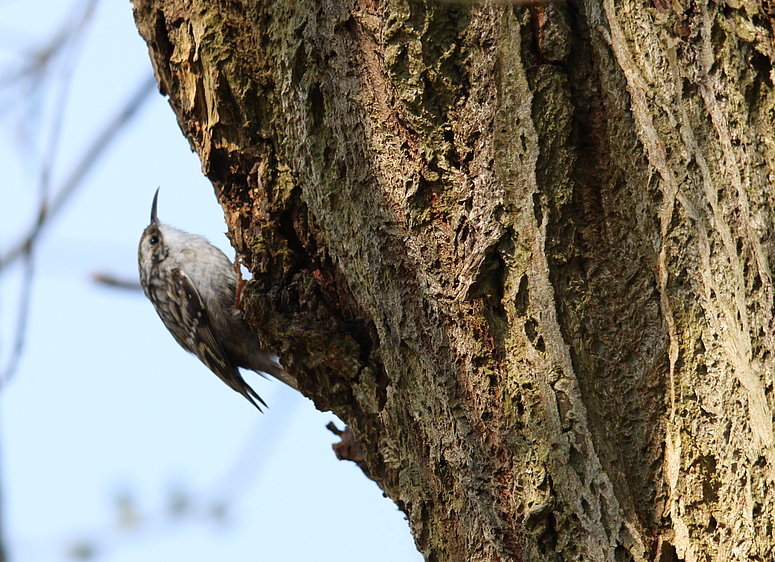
(111, 280)
(21, 318)
(96, 149)
(348, 449)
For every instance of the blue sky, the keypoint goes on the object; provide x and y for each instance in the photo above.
(107, 419)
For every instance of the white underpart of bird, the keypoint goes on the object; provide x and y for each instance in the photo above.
(192, 285)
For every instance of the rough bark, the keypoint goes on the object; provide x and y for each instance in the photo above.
(523, 251)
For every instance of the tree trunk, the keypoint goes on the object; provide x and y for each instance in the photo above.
(522, 250)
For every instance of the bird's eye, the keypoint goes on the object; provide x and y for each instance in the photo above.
(154, 240)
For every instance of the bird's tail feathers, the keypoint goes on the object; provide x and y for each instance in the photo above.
(250, 394)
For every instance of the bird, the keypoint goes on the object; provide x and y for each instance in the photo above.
(192, 285)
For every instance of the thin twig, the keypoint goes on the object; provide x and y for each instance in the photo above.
(48, 210)
(44, 186)
(110, 280)
(21, 318)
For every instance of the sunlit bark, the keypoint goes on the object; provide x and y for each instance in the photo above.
(522, 250)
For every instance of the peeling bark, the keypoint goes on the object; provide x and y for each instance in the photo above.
(522, 251)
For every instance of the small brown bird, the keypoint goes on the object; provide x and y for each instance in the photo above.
(192, 286)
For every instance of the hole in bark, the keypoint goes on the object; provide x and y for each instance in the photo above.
(530, 329)
(317, 107)
(288, 231)
(666, 553)
(520, 408)
(523, 295)
(576, 461)
(463, 236)
(162, 37)
(548, 539)
(621, 554)
(537, 212)
(753, 92)
(585, 507)
(452, 156)
(689, 88)
(218, 166)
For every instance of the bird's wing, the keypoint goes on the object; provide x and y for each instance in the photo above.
(191, 312)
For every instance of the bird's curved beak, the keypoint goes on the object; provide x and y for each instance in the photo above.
(154, 219)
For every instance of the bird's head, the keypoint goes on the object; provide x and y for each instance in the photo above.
(152, 248)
